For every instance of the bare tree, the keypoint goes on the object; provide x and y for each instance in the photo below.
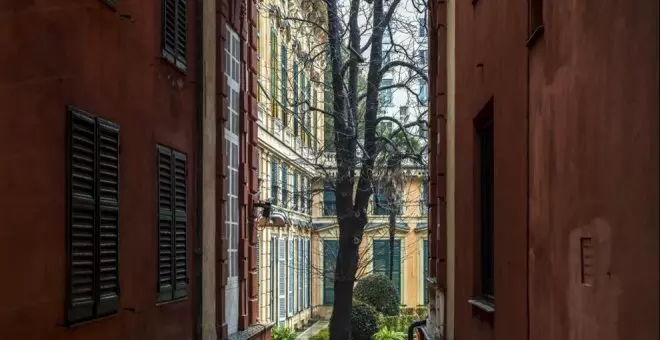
(355, 62)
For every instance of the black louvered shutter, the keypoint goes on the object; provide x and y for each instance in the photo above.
(107, 180)
(180, 225)
(82, 216)
(93, 235)
(172, 224)
(165, 224)
(175, 31)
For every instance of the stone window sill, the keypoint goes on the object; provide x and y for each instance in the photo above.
(483, 304)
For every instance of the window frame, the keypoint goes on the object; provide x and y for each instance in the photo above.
(536, 25)
(485, 184)
(231, 139)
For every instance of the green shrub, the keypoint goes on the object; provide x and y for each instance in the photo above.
(378, 291)
(388, 334)
(323, 334)
(283, 333)
(408, 310)
(422, 312)
(399, 323)
(364, 321)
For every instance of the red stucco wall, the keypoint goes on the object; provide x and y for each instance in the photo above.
(576, 155)
(107, 62)
(594, 171)
(490, 63)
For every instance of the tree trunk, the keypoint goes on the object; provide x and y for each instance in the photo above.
(347, 261)
(392, 230)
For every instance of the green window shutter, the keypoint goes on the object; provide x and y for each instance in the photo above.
(180, 225)
(93, 216)
(273, 70)
(172, 224)
(273, 181)
(295, 191)
(284, 81)
(82, 216)
(330, 249)
(285, 186)
(426, 270)
(296, 104)
(381, 260)
(165, 224)
(175, 32)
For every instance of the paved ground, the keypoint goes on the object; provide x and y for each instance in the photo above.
(316, 327)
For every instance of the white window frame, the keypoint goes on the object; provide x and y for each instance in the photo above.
(232, 150)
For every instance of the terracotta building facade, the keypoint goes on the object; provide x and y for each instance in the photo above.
(544, 170)
(130, 136)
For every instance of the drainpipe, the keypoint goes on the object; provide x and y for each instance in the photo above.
(413, 326)
(199, 149)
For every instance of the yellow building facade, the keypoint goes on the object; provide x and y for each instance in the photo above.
(410, 248)
(290, 135)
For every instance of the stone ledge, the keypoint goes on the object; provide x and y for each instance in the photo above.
(251, 332)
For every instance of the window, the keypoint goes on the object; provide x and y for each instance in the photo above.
(295, 191)
(285, 186)
(174, 32)
(93, 216)
(309, 197)
(306, 271)
(386, 92)
(281, 275)
(381, 261)
(403, 114)
(303, 194)
(380, 203)
(295, 99)
(422, 28)
(273, 274)
(172, 224)
(329, 202)
(308, 116)
(232, 52)
(305, 105)
(314, 114)
(284, 80)
(535, 18)
(386, 53)
(484, 129)
(422, 57)
(299, 280)
(425, 274)
(291, 271)
(424, 202)
(274, 185)
(423, 92)
(330, 249)
(273, 73)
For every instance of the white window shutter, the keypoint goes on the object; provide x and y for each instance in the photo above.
(282, 279)
(291, 276)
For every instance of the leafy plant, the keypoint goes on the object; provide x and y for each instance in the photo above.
(378, 291)
(399, 323)
(364, 321)
(283, 333)
(323, 334)
(389, 334)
